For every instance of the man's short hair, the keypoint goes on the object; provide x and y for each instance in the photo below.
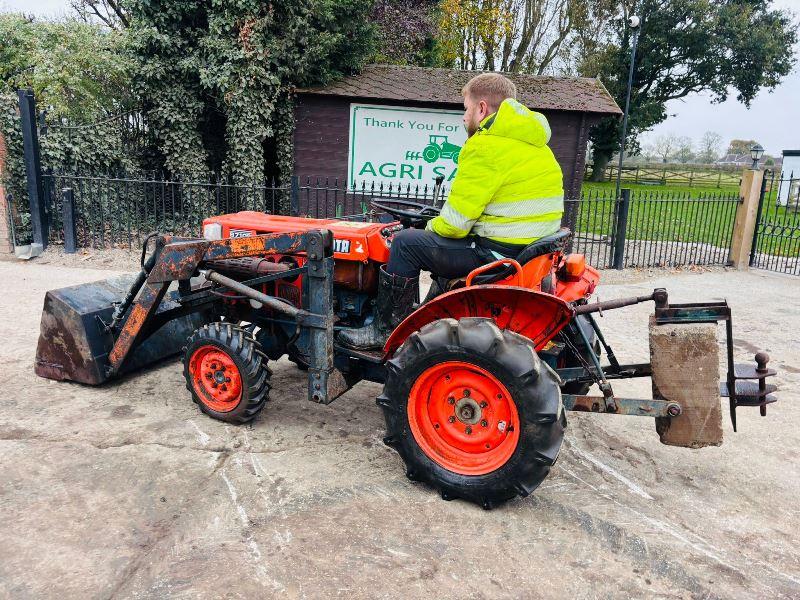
(493, 88)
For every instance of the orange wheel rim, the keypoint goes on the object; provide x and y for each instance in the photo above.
(463, 418)
(215, 378)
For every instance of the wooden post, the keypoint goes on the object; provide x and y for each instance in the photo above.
(6, 239)
(685, 360)
(746, 216)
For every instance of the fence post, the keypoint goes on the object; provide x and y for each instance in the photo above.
(620, 229)
(70, 234)
(744, 225)
(33, 166)
(294, 200)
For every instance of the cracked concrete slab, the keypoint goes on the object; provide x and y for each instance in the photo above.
(128, 491)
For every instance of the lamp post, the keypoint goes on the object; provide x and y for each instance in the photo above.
(633, 23)
(756, 152)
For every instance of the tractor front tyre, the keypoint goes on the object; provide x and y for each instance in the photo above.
(455, 156)
(473, 411)
(226, 371)
(431, 153)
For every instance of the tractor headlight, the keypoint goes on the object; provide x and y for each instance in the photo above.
(212, 231)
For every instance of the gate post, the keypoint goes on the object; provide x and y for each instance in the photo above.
(33, 166)
(744, 225)
(621, 229)
(70, 234)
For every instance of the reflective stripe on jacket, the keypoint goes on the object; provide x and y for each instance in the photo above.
(509, 185)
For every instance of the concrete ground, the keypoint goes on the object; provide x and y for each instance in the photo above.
(129, 491)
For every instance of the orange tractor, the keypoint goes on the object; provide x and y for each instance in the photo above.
(477, 381)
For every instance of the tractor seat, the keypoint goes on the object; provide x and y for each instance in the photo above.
(545, 245)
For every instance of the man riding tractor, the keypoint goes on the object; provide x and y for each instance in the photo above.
(508, 192)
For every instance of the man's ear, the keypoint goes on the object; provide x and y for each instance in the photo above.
(484, 108)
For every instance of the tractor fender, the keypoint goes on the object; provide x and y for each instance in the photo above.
(536, 315)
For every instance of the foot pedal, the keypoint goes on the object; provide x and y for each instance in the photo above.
(750, 386)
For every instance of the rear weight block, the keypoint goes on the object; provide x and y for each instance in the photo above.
(685, 361)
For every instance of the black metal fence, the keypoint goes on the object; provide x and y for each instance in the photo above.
(642, 229)
(776, 239)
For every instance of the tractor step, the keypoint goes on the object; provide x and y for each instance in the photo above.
(749, 394)
(751, 371)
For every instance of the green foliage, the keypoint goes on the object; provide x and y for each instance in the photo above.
(79, 73)
(689, 46)
(216, 79)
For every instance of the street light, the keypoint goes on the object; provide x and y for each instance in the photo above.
(633, 23)
(756, 152)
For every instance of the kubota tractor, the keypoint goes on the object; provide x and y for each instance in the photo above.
(477, 380)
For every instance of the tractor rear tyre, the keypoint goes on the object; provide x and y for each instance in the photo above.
(473, 411)
(226, 371)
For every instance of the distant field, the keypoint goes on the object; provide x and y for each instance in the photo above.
(680, 213)
(693, 192)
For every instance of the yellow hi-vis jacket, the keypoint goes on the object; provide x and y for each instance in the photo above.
(509, 186)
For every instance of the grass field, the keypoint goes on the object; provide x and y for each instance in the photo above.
(677, 213)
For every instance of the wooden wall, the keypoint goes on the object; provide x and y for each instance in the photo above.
(323, 122)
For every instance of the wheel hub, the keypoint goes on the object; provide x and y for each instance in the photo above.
(468, 411)
(216, 378)
(463, 417)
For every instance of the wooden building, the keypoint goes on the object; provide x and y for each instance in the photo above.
(326, 128)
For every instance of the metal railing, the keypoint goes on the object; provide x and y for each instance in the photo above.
(641, 229)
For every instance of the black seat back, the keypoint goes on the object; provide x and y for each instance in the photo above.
(545, 245)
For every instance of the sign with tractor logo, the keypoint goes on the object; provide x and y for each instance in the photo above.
(392, 145)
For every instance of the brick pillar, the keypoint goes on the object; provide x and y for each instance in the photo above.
(746, 215)
(685, 359)
(6, 243)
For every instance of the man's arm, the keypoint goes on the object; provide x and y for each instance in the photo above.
(473, 187)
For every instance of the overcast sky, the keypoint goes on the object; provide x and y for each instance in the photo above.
(773, 118)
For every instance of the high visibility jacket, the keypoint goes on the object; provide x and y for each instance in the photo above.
(509, 186)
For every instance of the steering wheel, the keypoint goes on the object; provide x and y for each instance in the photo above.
(410, 214)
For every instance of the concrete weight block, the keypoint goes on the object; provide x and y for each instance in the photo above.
(685, 359)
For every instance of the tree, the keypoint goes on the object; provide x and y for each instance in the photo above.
(406, 31)
(111, 13)
(741, 146)
(684, 150)
(216, 78)
(686, 47)
(709, 148)
(528, 36)
(665, 146)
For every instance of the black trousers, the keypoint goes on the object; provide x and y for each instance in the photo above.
(415, 250)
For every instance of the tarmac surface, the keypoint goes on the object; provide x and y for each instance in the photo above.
(128, 491)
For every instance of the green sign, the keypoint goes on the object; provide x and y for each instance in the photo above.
(394, 146)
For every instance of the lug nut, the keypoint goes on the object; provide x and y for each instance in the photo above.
(484, 423)
(451, 419)
(227, 380)
(451, 400)
(468, 430)
(484, 404)
(466, 393)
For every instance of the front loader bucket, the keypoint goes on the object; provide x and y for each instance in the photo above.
(73, 342)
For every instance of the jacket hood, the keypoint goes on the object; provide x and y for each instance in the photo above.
(516, 121)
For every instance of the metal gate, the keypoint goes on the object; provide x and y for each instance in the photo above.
(776, 238)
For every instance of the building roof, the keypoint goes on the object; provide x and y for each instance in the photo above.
(423, 84)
